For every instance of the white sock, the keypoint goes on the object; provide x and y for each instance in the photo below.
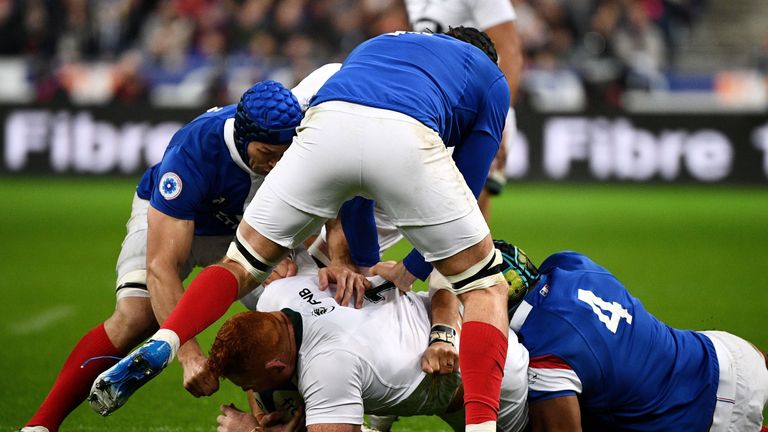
(170, 336)
(489, 426)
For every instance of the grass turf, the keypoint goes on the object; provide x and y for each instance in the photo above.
(695, 255)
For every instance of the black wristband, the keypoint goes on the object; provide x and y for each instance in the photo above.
(442, 333)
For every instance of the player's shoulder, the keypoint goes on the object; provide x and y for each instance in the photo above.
(202, 138)
(210, 122)
(570, 261)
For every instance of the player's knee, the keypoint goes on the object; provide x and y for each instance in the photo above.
(483, 275)
(132, 321)
(254, 264)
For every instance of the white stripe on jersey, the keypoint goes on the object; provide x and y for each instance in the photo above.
(553, 380)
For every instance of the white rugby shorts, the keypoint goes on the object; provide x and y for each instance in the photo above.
(343, 150)
(132, 262)
(743, 389)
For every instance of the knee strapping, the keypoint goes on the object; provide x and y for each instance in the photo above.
(242, 253)
(484, 274)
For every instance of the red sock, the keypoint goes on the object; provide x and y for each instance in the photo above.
(207, 299)
(764, 429)
(482, 356)
(74, 382)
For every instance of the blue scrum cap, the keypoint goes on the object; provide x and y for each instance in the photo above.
(521, 274)
(268, 112)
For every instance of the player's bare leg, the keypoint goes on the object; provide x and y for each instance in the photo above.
(248, 263)
(484, 337)
(131, 323)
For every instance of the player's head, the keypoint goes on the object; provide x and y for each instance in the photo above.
(254, 351)
(477, 38)
(268, 113)
(521, 274)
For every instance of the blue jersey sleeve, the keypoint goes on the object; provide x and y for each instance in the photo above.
(181, 185)
(359, 227)
(417, 265)
(477, 150)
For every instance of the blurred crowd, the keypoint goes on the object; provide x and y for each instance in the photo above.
(204, 52)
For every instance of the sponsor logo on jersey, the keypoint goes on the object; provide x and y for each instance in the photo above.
(544, 290)
(322, 310)
(170, 185)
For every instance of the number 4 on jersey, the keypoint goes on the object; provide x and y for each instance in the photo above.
(600, 307)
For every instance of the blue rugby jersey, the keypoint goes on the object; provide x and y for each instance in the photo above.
(587, 336)
(448, 85)
(201, 176)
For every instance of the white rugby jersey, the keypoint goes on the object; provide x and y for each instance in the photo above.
(371, 354)
(438, 15)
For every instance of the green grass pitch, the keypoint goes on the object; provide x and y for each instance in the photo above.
(695, 255)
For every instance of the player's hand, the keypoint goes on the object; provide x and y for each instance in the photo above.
(440, 358)
(396, 273)
(198, 379)
(272, 422)
(349, 283)
(234, 420)
(284, 269)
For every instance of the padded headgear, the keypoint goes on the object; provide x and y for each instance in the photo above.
(518, 270)
(268, 112)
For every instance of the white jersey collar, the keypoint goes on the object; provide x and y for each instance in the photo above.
(229, 139)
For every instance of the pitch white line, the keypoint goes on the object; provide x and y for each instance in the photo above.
(42, 321)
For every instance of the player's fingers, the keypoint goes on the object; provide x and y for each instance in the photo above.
(296, 420)
(433, 361)
(446, 366)
(272, 418)
(348, 290)
(383, 269)
(426, 366)
(359, 295)
(292, 269)
(322, 277)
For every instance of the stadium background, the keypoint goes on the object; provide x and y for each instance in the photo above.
(650, 156)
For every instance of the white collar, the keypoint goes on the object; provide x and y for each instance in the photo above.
(229, 139)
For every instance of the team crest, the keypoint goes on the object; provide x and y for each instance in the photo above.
(322, 310)
(170, 185)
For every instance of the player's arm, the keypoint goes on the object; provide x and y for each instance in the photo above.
(169, 242)
(441, 356)
(342, 270)
(560, 414)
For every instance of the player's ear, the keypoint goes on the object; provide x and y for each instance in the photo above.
(275, 365)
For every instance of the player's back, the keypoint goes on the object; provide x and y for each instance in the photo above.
(631, 371)
(444, 83)
(385, 338)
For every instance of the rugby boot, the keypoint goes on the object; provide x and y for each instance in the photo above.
(114, 386)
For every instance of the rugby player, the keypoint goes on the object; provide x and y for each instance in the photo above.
(379, 127)
(605, 363)
(497, 19)
(348, 361)
(184, 214)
